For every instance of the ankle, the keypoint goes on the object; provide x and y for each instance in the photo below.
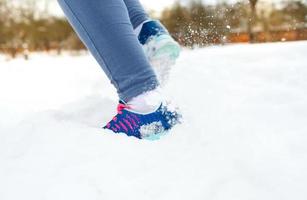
(146, 102)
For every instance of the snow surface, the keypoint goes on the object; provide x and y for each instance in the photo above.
(244, 134)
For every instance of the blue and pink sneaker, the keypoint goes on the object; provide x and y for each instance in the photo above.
(149, 126)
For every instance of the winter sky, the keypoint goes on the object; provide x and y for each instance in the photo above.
(156, 5)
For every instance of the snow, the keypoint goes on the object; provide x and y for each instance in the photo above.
(243, 136)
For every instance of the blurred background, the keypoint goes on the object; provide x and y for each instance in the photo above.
(39, 25)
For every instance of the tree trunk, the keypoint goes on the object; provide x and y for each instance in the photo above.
(252, 20)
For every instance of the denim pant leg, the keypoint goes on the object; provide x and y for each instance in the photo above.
(136, 12)
(106, 30)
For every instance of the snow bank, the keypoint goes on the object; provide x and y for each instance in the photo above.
(244, 135)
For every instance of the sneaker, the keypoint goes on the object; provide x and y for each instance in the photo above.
(150, 126)
(160, 48)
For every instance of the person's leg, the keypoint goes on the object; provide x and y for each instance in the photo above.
(160, 48)
(106, 30)
(136, 12)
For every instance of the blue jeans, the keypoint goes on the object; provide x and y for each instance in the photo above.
(136, 12)
(105, 28)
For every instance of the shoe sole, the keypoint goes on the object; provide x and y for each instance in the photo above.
(156, 136)
(166, 47)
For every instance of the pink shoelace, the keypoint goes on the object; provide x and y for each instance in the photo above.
(121, 107)
(130, 122)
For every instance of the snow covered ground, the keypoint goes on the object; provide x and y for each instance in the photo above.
(244, 134)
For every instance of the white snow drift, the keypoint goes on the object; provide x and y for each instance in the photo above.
(244, 134)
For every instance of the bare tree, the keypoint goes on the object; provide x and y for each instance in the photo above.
(252, 20)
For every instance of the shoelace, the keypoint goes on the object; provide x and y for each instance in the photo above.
(131, 121)
(121, 107)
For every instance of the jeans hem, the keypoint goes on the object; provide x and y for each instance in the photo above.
(136, 90)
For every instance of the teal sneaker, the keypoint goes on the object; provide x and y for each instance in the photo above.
(160, 48)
